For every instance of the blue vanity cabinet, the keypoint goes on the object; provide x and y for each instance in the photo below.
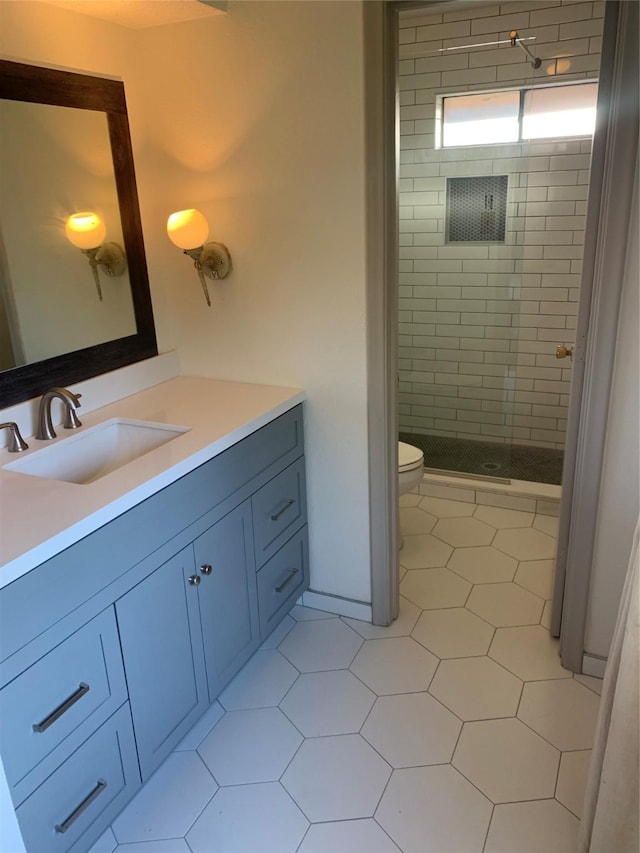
(185, 630)
(159, 624)
(225, 572)
(72, 808)
(156, 611)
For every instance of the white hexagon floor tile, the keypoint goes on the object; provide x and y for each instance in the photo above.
(453, 633)
(250, 746)
(328, 703)
(545, 619)
(443, 508)
(261, 683)
(355, 836)
(531, 828)
(424, 552)
(412, 730)
(309, 614)
(529, 652)
(168, 803)
(483, 564)
(504, 518)
(408, 614)
(590, 681)
(506, 760)
(409, 499)
(168, 845)
(562, 711)
(536, 576)
(278, 634)
(432, 589)
(476, 688)
(394, 665)
(201, 729)
(276, 824)
(463, 532)
(505, 605)
(572, 779)
(336, 778)
(106, 843)
(433, 810)
(525, 543)
(320, 644)
(414, 520)
(548, 524)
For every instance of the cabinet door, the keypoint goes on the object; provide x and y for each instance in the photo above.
(228, 598)
(163, 658)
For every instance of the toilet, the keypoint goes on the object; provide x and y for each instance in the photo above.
(410, 465)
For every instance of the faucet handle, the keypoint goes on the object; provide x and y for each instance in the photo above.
(71, 420)
(16, 442)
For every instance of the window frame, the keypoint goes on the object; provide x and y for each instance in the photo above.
(522, 90)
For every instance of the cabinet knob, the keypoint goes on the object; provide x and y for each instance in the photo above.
(194, 580)
(206, 569)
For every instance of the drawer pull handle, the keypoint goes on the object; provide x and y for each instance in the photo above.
(287, 580)
(62, 709)
(287, 506)
(84, 805)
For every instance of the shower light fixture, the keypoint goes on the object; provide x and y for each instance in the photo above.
(87, 231)
(188, 230)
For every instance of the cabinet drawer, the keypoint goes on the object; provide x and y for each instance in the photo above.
(75, 805)
(282, 580)
(79, 679)
(279, 508)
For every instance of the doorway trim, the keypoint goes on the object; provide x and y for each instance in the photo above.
(589, 402)
(607, 226)
(382, 131)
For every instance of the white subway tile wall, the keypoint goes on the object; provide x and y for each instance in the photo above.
(479, 322)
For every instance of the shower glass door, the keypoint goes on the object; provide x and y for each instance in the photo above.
(494, 169)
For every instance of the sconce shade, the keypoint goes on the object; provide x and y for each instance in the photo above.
(188, 229)
(85, 230)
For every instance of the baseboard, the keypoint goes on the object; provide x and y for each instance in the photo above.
(592, 665)
(336, 604)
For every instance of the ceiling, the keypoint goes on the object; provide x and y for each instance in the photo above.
(140, 14)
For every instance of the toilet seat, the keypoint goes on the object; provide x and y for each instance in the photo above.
(409, 457)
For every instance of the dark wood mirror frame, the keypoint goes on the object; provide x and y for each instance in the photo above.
(31, 83)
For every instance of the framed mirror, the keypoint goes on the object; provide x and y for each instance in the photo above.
(65, 148)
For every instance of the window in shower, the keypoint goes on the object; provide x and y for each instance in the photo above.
(516, 115)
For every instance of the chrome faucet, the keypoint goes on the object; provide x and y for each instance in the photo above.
(71, 403)
(16, 442)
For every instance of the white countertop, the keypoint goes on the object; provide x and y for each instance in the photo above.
(40, 517)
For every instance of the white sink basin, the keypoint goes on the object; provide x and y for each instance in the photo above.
(90, 454)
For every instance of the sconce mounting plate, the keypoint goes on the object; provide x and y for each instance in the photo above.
(112, 259)
(215, 260)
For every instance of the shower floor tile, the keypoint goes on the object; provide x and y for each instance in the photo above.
(452, 729)
(489, 459)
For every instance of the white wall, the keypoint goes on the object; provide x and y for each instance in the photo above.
(479, 322)
(619, 502)
(255, 117)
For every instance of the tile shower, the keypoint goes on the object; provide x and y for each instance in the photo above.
(480, 315)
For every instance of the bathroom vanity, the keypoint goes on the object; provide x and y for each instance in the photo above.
(127, 604)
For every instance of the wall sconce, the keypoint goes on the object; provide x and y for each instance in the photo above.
(188, 230)
(87, 231)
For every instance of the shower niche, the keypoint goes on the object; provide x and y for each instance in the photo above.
(477, 209)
